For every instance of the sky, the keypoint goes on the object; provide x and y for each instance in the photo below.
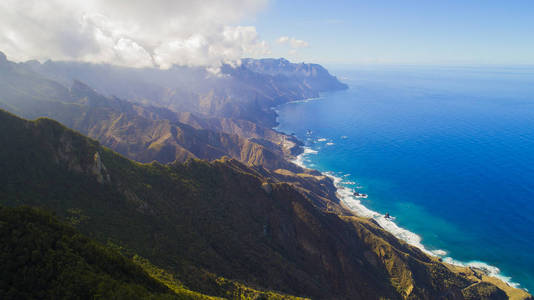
(161, 33)
(407, 31)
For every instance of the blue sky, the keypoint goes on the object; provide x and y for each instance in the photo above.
(405, 32)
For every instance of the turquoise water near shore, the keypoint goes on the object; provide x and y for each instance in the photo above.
(447, 151)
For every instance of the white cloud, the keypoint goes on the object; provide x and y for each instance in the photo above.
(130, 32)
(283, 40)
(292, 42)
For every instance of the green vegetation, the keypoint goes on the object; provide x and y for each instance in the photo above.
(43, 258)
(234, 290)
(43, 153)
(167, 278)
(47, 259)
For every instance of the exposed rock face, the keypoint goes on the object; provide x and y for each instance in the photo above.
(99, 170)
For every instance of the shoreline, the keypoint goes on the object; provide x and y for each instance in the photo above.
(345, 195)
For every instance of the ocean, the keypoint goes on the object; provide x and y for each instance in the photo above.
(448, 152)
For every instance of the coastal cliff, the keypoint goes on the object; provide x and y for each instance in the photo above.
(249, 216)
(218, 218)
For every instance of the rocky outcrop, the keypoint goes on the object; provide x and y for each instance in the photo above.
(99, 170)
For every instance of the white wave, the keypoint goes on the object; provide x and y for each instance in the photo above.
(308, 150)
(347, 196)
(344, 137)
(304, 100)
(329, 144)
(300, 159)
(439, 252)
(321, 140)
(489, 270)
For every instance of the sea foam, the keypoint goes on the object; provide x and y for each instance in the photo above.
(305, 100)
(299, 160)
(346, 195)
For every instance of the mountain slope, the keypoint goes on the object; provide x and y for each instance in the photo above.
(222, 218)
(47, 259)
(44, 259)
(241, 92)
(139, 132)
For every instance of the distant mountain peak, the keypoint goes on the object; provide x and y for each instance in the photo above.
(313, 75)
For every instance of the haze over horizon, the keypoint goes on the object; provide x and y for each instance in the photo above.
(162, 33)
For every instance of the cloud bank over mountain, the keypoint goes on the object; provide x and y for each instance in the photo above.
(131, 33)
(293, 43)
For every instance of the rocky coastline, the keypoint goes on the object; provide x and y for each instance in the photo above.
(207, 171)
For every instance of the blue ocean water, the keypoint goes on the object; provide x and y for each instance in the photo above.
(447, 151)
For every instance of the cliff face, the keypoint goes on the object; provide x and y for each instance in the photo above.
(222, 217)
